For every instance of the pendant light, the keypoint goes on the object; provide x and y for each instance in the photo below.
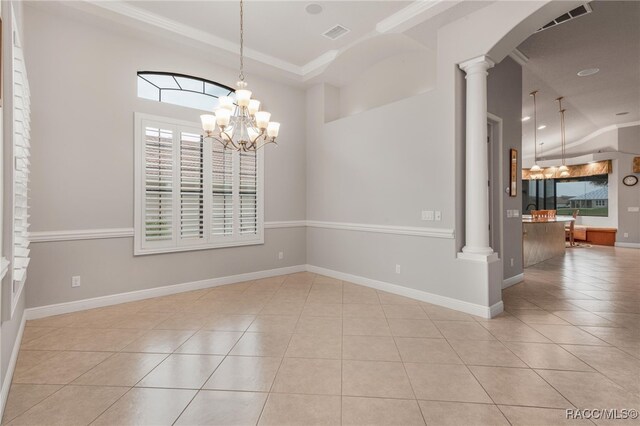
(535, 168)
(564, 170)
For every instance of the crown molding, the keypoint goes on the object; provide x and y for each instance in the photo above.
(416, 12)
(129, 11)
(321, 61)
(519, 57)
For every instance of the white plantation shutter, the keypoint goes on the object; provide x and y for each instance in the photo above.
(221, 191)
(192, 194)
(248, 193)
(191, 186)
(158, 186)
(21, 163)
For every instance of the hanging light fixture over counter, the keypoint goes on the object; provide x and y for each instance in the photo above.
(535, 168)
(240, 126)
(563, 169)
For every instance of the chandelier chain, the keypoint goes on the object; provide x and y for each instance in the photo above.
(241, 76)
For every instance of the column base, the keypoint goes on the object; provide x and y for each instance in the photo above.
(477, 255)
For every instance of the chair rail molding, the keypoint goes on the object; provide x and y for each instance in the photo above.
(416, 231)
(105, 233)
(80, 234)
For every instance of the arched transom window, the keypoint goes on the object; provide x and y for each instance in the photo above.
(180, 89)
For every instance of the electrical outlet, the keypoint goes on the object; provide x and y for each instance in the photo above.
(397, 269)
(438, 215)
(281, 255)
(75, 281)
(626, 235)
(509, 213)
(512, 262)
(516, 213)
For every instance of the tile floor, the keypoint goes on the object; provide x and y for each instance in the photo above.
(304, 349)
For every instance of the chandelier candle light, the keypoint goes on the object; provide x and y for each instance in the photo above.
(241, 126)
(535, 168)
(564, 170)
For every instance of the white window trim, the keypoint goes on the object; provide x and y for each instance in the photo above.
(20, 150)
(207, 242)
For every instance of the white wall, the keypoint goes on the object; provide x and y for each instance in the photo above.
(628, 196)
(383, 167)
(396, 171)
(504, 90)
(84, 98)
(392, 79)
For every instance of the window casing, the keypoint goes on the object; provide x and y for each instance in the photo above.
(191, 194)
(21, 146)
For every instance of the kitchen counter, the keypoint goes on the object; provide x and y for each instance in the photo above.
(543, 239)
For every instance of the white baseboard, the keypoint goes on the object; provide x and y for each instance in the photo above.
(496, 309)
(8, 377)
(512, 280)
(628, 245)
(447, 302)
(114, 299)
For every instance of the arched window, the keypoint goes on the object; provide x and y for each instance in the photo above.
(180, 89)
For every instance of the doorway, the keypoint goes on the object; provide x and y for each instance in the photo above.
(495, 168)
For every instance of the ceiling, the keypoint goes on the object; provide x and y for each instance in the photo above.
(274, 27)
(283, 40)
(608, 39)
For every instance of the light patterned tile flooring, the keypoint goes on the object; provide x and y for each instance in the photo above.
(306, 349)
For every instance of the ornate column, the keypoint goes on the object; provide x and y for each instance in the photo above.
(477, 173)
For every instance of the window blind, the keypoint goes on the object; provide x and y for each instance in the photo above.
(191, 186)
(221, 191)
(158, 184)
(248, 193)
(191, 193)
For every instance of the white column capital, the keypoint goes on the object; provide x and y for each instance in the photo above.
(477, 64)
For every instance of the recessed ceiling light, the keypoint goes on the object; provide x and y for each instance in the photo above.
(526, 118)
(544, 126)
(313, 8)
(622, 113)
(588, 71)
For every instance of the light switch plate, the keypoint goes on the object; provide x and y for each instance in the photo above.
(438, 215)
(509, 213)
(427, 214)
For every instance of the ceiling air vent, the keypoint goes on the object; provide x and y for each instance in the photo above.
(572, 14)
(336, 32)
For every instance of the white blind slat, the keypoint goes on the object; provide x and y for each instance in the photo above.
(158, 179)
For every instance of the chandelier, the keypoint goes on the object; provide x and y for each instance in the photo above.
(564, 170)
(240, 126)
(535, 168)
